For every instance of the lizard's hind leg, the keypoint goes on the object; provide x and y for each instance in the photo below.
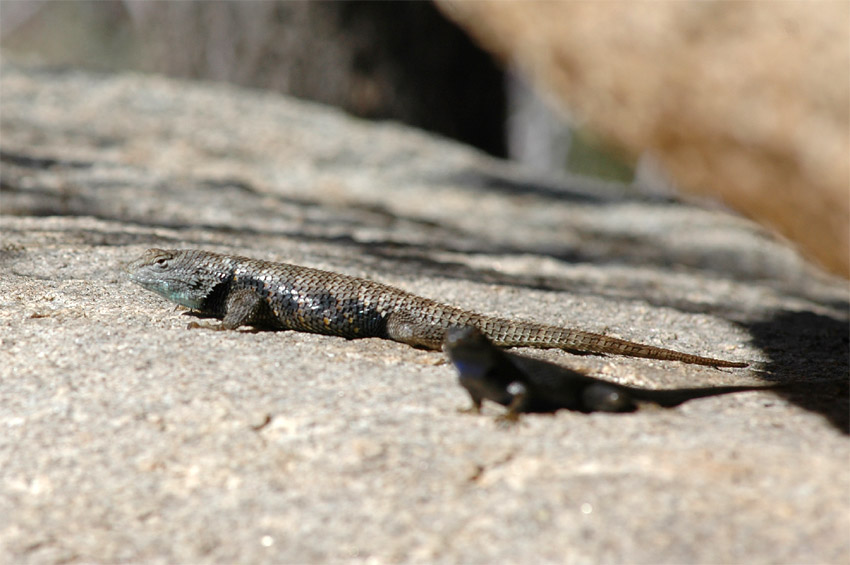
(413, 331)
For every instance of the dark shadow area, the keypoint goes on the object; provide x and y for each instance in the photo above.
(813, 352)
(31, 162)
(584, 191)
(445, 84)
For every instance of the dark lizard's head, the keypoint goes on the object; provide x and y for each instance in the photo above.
(470, 351)
(483, 369)
(185, 276)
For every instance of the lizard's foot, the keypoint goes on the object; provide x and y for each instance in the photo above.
(507, 420)
(204, 326)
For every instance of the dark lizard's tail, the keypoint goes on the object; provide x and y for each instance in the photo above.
(674, 397)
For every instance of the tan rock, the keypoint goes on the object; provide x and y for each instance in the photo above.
(747, 102)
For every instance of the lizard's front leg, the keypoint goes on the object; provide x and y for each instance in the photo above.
(519, 403)
(475, 407)
(242, 307)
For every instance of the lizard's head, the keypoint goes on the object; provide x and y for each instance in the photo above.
(469, 350)
(484, 370)
(186, 277)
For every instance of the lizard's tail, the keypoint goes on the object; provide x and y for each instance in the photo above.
(674, 397)
(507, 333)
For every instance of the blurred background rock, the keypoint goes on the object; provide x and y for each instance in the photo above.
(377, 60)
(747, 103)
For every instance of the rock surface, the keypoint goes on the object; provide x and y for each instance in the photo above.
(128, 437)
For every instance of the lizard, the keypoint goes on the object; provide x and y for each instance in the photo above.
(242, 291)
(523, 384)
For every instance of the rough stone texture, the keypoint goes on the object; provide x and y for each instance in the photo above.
(127, 437)
(749, 102)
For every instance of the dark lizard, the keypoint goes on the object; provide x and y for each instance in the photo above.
(523, 384)
(243, 291)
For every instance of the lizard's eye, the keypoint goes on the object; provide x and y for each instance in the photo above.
(161, 261)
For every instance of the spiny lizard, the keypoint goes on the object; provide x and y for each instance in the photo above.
(243, 291)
